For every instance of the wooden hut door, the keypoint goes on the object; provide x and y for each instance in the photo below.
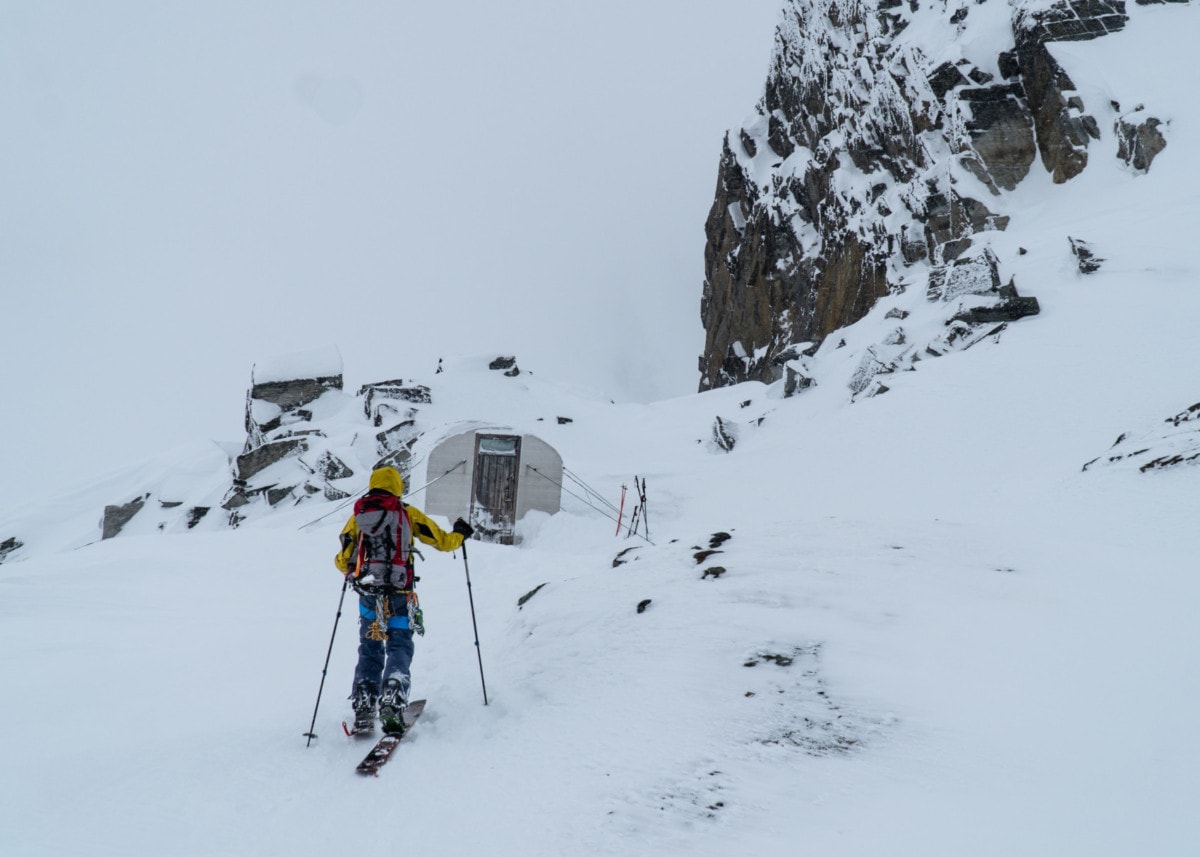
(494, 496)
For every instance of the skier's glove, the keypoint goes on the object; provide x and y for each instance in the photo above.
(465, 529)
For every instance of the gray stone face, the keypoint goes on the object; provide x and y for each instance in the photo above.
(250, 464)
(385, 400)
(1064, 129)
(1000, 129)
(9, 546)
(290, 395)
(116, 517)
(1138, 140)
(1089, 262)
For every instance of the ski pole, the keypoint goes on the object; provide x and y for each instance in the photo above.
(310, 734)
(474, 625)
(645, 511)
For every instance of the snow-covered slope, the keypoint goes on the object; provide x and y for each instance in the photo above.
(934, 632)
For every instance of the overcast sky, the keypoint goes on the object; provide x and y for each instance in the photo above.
(189, 188)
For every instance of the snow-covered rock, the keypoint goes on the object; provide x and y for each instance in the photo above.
(882, 129)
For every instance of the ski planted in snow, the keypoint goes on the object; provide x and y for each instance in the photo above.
(385, 746)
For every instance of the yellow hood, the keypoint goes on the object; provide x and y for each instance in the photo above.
(389, 479)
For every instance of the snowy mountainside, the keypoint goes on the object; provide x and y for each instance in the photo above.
(962, 639)
(929, 632)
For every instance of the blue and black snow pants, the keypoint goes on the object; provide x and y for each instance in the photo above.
(385, 643)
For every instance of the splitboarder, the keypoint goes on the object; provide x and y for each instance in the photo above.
(377, 552)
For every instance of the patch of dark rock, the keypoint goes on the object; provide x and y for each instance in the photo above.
(1139, 143)
(10, 545)
(1075, 20)
(1179, 419)
(780, 660)
(1006, 310)
(400, 459)
(332, 493)
(718, 539)
(400, 436)
(724, 435)
(506, 364)
(748, 145)
(290, 395)
(623, 557)
(1001, 132)
(945, 78)
(524, 599)
(1089, 262)
(332, 467)
(277, 494)
(1168, 461)
(116, 517)
(796, 381)
(255, 461)
(236, 498)
(977, 274)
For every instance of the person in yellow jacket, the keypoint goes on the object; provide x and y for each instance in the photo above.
(377, 553)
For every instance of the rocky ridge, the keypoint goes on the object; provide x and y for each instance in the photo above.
(877, 163)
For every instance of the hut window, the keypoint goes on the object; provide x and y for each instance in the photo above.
(498, 445)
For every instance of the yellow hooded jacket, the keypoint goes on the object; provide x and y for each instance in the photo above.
(388, 479)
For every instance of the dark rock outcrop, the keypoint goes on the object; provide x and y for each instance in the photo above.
(116, 517)
(385, 400)
(999, 128)
(1138, 139)
(1089, 262)
(866, 159)
(834, 188)
(1064, 128)
(1173, 442)
(9, 546)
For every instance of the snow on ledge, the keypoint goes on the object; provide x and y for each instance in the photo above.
(316, 363)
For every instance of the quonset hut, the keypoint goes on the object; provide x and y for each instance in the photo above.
(493, 477)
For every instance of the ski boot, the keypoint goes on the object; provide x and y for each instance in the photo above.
(392, 703)
(364, 701)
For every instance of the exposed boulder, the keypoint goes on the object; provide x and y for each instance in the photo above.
(1089, 262)
(507, 365)
(116, 517)
(724, 434)
(1138, 139)
(999, 130)
(385, 400)
(10, 546)
(250, 464)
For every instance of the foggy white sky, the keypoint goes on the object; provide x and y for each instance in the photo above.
(190, 187)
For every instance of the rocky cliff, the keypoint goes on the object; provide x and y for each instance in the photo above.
(878, 159)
